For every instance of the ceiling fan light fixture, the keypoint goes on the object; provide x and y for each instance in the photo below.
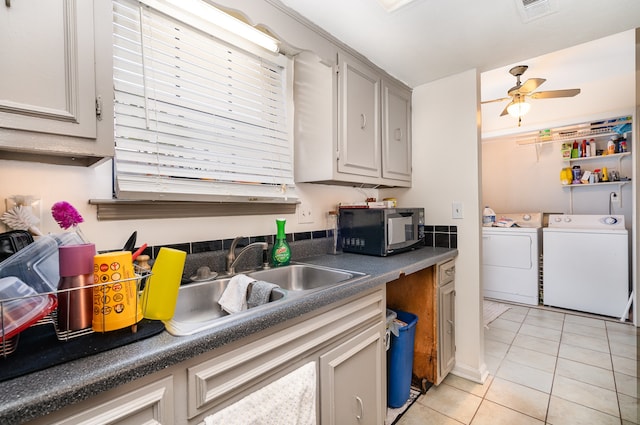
(518, 108)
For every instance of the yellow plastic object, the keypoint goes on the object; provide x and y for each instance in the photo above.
(115, 300)
(161, 290)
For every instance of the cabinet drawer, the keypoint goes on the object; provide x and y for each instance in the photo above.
(446, 272)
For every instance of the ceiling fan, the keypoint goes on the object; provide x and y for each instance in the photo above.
(518, 105)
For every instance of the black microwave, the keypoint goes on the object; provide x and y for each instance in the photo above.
(380, 231)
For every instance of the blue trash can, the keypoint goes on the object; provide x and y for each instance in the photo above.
(400, 360)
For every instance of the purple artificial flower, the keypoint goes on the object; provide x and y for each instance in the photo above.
(65, 214)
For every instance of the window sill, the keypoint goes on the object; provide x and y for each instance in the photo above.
(111, 209)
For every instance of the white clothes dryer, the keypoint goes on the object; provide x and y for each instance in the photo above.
(511, 258)
(586, 263)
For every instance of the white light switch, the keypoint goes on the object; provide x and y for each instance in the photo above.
(456, 210)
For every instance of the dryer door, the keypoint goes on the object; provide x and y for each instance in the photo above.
(507, 250)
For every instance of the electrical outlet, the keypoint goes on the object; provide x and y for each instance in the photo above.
(305, 214)
(456, 210)
(615, 198)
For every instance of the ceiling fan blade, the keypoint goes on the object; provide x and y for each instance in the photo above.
(530, 85)
(502, 99)
(555, 93)
(504, 111)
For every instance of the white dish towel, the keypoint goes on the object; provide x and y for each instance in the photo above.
(290, 400)
(234, 297)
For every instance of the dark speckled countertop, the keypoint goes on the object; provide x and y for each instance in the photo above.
(39, 393)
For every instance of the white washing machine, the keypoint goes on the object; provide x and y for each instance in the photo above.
(586, 263)
(510, 258)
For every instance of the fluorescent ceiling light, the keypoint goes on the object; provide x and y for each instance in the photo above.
(391, 5)
(229, 23)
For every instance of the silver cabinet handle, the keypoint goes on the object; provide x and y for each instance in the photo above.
(360, 408)
(363, 121)
(398, 134)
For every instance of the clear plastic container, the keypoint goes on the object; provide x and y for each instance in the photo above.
(488, 217)
(37, 265)
(21, 306)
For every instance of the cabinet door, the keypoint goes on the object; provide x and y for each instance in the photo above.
(447, 330)
(358, 119)
(351, 381)
(47, 79)
(396, 133)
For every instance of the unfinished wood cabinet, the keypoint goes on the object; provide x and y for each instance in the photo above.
(429, 294)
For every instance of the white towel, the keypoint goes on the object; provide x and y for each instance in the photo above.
(234, 297)
(260, 293)
(290, 400)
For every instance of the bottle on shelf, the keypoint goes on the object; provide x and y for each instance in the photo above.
(574, 152)
(281, 253)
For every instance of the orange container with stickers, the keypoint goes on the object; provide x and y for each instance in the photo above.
(115, 298)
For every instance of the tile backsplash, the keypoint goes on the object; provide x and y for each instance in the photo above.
(441, 236)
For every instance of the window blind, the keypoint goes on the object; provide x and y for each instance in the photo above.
(195, 117)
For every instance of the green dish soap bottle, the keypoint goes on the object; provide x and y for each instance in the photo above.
(281, 253)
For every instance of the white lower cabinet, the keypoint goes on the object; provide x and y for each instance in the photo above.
(343, 340)
(149, 404)
(350, 376)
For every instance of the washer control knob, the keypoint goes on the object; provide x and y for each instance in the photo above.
(610, 220)
(526, 217)
(557, 219)
(567, 219)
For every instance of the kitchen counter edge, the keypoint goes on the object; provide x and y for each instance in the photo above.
(39, 393)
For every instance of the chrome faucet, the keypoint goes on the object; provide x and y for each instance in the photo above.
(232, 259)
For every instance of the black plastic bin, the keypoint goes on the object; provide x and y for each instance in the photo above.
(400, 361)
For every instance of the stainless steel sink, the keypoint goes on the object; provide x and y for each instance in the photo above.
(197, 307)
(304, 277)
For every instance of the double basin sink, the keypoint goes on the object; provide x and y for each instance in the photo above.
(197, 307)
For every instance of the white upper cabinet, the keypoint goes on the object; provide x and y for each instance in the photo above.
(396, 132)
(352, 124)
(358, 119)
(52, 94)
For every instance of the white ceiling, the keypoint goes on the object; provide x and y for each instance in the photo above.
(431, 39)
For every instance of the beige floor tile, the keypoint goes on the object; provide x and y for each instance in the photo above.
(627, 385)
(585, 355)
(544, 322)
(598, 344)
(518, 397)
(587, 321)
(602, 378)
(603, 400)
(619, 327)
(420, 414)
(580, 329)
(491, 413)
(504, 324)
(629, 408)
(623, 338)
(623, 350)
(525, 375)
(495, 348)
(452, 402)
(514, 315)
(540, 332)
(625, 365)
(468, 386)
(538, 344)
(532, 358)
(544, 313)
(564, 412)
(492, 362)
(499, 335)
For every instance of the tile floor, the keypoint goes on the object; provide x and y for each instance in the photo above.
(546, 367)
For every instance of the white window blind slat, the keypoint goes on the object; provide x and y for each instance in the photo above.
(195, 116)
